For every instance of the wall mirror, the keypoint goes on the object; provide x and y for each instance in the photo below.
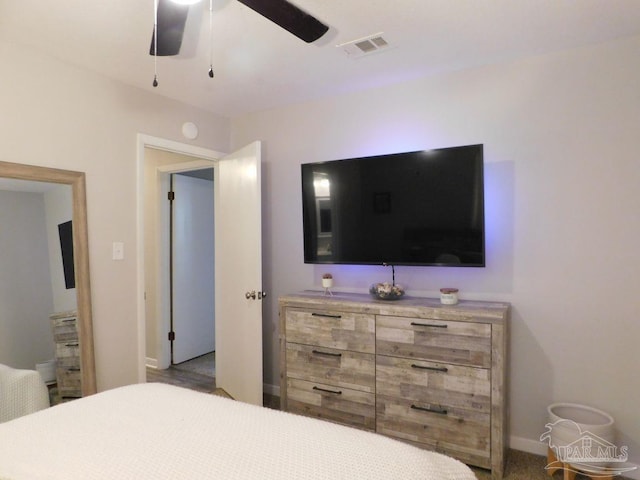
(14, 185)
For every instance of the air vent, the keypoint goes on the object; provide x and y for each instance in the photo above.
(365, 46)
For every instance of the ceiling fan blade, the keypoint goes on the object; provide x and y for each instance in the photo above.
(304, 26)
(171, 21)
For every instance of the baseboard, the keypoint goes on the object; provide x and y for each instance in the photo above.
(151, 362)
(271, 389)
(527, 445)
(539, 448)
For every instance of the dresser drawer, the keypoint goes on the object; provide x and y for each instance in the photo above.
(64, 329)
(68, 353)
(329, 366)
(333, 329)
(69, 379)
(463, 343)
(341, 405)
(434, 383)
(464, 434)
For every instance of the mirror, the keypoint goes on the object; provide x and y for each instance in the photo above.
(76, 180)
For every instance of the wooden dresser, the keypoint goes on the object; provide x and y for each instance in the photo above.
(429, 374)
(68, 372)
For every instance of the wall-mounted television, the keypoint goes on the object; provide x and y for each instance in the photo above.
(65, 230)
(414, 208)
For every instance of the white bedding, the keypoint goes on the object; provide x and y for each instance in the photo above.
(156, 431)
(21, 392)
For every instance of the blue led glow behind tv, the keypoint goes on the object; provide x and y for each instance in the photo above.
(414, 208)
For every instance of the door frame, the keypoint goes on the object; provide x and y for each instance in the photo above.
(203, 158)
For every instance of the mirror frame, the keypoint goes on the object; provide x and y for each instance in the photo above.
(81, 255)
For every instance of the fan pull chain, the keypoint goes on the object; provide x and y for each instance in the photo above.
(155, 43)
(211, 39)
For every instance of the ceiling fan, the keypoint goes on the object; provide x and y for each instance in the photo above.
(172, 16)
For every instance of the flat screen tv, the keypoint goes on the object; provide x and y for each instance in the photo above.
(414, 208)
(65, 230)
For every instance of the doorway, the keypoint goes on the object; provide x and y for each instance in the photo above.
(179, 270)
(238, 264)
(159, 170)
(192, 274)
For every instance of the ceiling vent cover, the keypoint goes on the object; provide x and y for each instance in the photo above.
(365, 46)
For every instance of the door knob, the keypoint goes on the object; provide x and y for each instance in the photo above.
(250, 295)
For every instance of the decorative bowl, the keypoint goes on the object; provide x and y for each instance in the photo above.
(386, 291)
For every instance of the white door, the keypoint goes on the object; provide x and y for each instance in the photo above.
(193, 267)
(238, 272)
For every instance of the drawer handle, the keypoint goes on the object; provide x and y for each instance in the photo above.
(330, 354)
(337, 392)
(435, 369)
(325, 315)
(73, 369)
(71, 344)
(440, 411)
(69, 320)
(416, 324)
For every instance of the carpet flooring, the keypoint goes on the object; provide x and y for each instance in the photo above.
(521, 466)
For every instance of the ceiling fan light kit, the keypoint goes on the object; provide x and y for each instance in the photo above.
(170, 18)
(168, 30)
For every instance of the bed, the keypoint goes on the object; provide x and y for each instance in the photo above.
(157, 431)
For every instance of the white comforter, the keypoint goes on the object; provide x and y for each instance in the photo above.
(156, 431)
(21, 392)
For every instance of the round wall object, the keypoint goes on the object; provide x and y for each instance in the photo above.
(189, 130)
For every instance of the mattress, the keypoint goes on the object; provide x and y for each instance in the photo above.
(157, 431)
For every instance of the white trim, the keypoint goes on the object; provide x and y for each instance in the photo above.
(143, 141)
(151, 362)
(185, 166)
(527, 445)
(176, 147)
(271, 389)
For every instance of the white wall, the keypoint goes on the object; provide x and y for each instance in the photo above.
(26, 298)
(562, 214)
(58, 210)
(57, 115)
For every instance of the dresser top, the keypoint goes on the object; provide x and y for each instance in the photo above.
(464, 310)
(68, 314)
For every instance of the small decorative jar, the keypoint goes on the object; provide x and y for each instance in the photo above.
(448, 296)
(327, 280)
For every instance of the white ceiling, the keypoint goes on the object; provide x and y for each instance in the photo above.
(260, 66)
